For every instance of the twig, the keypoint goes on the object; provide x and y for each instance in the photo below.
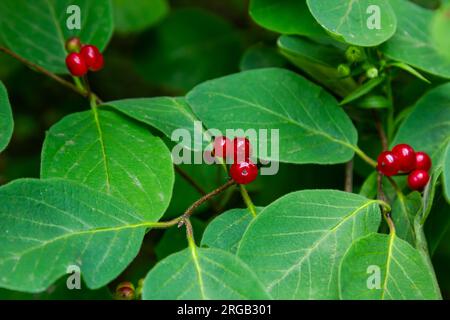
(49, 74)
(380, 130)
(200, 201)
(349, 176)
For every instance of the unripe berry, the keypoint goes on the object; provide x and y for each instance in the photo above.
(387, 164)
(76, 64)
(343, 70)
(354, 54)
(125, 291)
(243, 172)
(418, 179)
(73, 44)
(423, 161)
(406, 157)
(372, 73)
(93, 57)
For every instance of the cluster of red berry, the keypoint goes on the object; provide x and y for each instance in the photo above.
(243, 171)
(82, 58)
(404, 159)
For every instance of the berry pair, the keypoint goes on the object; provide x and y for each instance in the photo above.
(404, 159)
(82, 58)
(243, 171)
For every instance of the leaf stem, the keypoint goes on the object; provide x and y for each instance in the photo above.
(248, 201)
(385, 207)
(365, 157)
(380, 130)
(49, 74)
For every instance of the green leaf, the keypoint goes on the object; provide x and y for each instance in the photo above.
(362, 90)
(6, 118)
(165, 114)
(295, 244)
(350, 20)
(226, 231)
(427, 127)
(287, 16)
(180, 60)
(261, 56)
(48, 225)
(138, 15)
(107, 152)
(446, 172)
(404, 274)
(37, 30)
(438, 222)
(318, 61)
(404, 210)
(409, 69)
(278, 99)
(413, 43)
(201, 274)
(439, 30)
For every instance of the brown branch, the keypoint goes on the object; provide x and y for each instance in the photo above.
(49, 74)
(200, 201)
(381, 196)
(380, 130)
(349, 176)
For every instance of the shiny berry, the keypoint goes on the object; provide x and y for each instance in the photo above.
(241, 149)
(406, 157)
(243, 172)
(423, 161)
(418, 179)
(125, 291)
(220, 146)
(73, 44)
(76, 64)
(93, 57)
(387, 163)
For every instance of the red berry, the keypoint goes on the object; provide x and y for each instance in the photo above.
(220, 146)
(241, 149)
(423, 161)
(418, 179)
(76, 64)
(93, 57)
(406, 157)
(387, 163)
(243, 172)
(125, 291)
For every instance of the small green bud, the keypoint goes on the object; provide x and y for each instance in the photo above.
(372, 72)
(354, 54)
(343, 70)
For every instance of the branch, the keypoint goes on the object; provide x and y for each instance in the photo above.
(380, 130)
(349, 176)
(200, 201)
(49, 74)
(382, 197)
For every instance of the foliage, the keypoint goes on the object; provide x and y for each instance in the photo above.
(325, 227)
